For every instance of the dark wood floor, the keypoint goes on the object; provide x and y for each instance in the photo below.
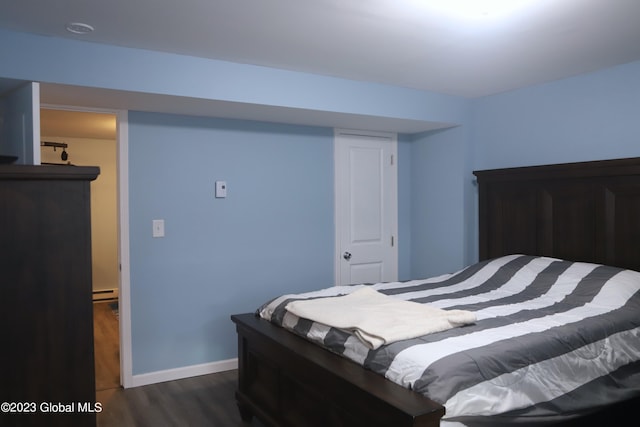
(199, 401)
(106, 338)
(207, 400)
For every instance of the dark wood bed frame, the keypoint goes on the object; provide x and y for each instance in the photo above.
(588, 211)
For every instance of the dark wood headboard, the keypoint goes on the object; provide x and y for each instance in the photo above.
(587, 211)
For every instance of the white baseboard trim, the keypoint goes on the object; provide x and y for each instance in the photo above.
(184, 372)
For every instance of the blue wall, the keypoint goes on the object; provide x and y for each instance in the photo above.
(17, 123)
(438, 170)
(404, 206)
(273, 234)
(64, 61)
(588, 117)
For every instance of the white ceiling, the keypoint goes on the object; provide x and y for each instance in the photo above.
(399, 42)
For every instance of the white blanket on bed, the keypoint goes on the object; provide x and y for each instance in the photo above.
(377, 319)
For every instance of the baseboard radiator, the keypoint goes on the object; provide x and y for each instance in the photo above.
(105, 295)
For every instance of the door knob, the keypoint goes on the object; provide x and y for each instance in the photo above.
(347, 256)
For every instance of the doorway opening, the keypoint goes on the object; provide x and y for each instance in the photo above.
(87, 138)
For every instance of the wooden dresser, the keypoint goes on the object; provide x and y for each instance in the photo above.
(46, 308)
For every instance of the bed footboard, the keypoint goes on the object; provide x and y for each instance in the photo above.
(285, 380)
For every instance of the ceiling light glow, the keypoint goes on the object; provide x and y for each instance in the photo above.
(476, 8)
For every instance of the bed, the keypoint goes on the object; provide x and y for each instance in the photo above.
(569, 230)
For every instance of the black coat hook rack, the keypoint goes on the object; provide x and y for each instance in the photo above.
(64, 156)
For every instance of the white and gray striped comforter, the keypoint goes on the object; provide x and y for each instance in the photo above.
(553, 339)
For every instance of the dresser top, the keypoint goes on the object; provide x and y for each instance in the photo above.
(43, 172)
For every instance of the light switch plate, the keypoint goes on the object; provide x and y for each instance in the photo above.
(158, 227)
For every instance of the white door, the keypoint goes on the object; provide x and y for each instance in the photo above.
(366, 207)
